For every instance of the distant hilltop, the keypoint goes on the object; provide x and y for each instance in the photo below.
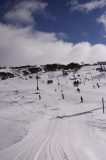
(28, 70)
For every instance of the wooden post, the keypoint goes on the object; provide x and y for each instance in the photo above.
(103, 105)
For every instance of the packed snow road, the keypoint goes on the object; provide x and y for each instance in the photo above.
(61, 129)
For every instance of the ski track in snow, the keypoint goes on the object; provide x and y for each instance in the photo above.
(50, 145)
(65, 132)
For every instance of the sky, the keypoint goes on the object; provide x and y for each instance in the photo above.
(52, 31)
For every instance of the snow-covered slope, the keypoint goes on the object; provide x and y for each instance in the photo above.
(52, 128)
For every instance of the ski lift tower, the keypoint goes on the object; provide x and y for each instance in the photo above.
(37, 78)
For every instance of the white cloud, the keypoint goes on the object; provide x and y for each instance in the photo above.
(102, 20)
(88, 6)
(22, 12)
(24, 46)
(21, 46)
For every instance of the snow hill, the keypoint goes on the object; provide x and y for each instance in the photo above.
(54, 125)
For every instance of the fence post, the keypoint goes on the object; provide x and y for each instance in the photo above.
(103, 105)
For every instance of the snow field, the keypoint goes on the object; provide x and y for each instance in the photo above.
(52, 128)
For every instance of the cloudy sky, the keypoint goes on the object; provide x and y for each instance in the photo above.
(52, 31)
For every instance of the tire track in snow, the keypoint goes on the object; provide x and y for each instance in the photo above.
(46, 150)
(56, 145)
(70, 153)
(52, 150)
(29, 151)
(43, 146)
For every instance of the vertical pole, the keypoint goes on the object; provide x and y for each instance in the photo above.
(103, 105)
(37, 80)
